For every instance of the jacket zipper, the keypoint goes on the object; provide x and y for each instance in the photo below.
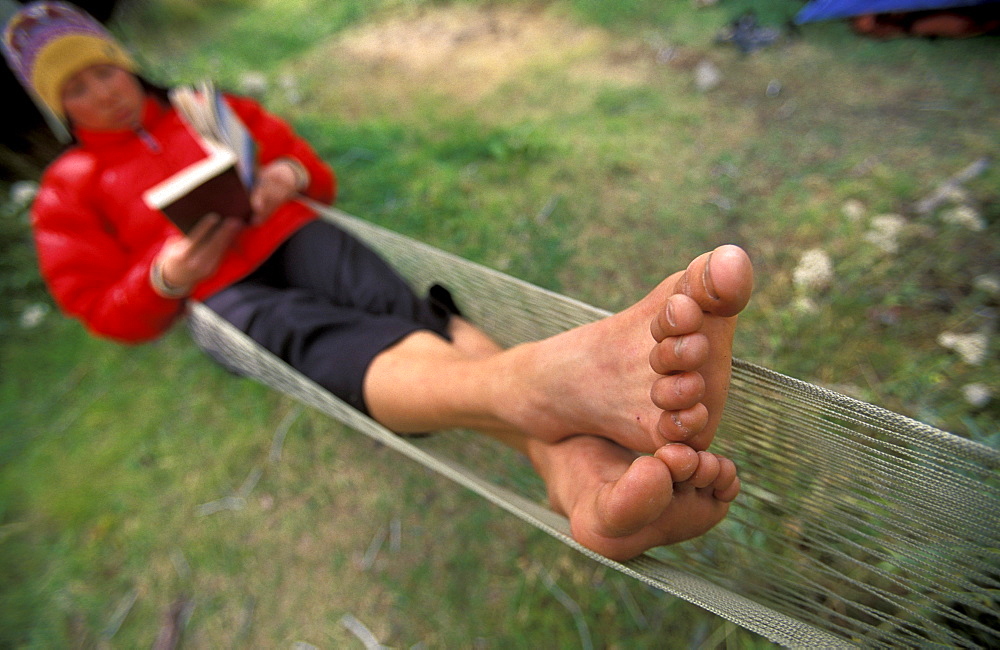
(151, 143)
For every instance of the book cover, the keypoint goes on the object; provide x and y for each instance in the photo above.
(213, 184)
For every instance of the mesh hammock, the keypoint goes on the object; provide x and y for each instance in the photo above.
(856, 526)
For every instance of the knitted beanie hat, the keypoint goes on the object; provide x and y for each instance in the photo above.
(45, 43)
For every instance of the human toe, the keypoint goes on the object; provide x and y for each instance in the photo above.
(720, 281)
(707, 472)
(679, 353)
(680, 459)
(681, 314)
(682, 425)
(678, 391)
(636, 499)
(727, 484)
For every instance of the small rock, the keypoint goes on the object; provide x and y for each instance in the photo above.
(854, 210)
(33, 315)
(885, 232)
(814, 271)
(254, 84)
(966, 217)
(973, 348)
(978, 394)
(707, 76)
(22, 193)
(989, 282)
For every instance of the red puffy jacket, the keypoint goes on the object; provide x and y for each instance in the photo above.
(97, 240)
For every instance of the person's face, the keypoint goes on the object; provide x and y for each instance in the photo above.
(103, 98)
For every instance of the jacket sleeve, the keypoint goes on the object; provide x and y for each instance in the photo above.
(90, 275)
(276, 139)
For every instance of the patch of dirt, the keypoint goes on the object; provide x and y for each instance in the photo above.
(468, 52)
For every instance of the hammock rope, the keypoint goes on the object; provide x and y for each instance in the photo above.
(856, 526)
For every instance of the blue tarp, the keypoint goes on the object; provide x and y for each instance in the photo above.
(836, 9)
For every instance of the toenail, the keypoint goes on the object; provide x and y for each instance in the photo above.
(670, 314)
(707, 278)
(686, 283)
(679, 347)
(681, 384)
(677, 422)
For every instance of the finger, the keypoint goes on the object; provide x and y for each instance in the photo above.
(261, 208)
(204, 258)
(267, 196)
(258, 201)
(203, 228)
(220, 239)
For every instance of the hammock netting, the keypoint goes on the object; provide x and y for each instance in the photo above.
(856, 526)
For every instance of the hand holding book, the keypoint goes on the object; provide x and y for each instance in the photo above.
(276, 183)
(186, 260)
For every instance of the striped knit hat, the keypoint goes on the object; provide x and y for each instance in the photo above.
(45, 43)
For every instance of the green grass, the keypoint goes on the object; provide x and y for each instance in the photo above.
(105, 505)
(591, 170)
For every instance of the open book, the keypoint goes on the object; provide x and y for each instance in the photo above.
(221, 181)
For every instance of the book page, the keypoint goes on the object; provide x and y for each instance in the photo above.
(207, 112)
(236, 136)
(192, 108)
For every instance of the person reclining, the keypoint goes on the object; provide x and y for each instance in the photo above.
(617, 416)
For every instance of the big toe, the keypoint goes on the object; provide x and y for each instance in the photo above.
(720, 281)
(636, 499)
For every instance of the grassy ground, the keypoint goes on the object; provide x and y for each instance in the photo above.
(569, 144)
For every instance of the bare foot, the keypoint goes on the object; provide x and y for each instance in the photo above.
(694, 334)
(621, 505)
(657, 372)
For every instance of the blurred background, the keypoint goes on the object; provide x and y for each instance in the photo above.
(580, 145)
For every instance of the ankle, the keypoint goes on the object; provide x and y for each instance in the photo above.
(513, 397)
